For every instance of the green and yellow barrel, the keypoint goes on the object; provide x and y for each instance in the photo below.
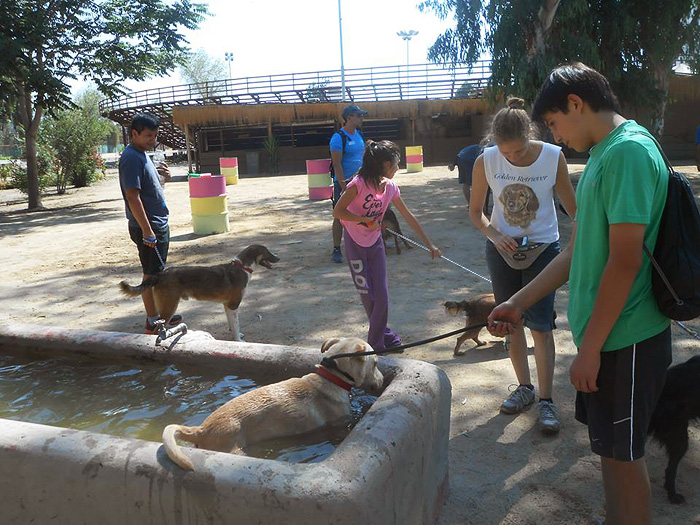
(414, 159)
(209, 203)
(318, 173)
(229, 169)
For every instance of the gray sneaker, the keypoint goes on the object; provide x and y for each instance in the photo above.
(548, 420)
(520, 398)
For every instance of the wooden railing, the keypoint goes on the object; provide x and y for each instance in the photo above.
(417, 81)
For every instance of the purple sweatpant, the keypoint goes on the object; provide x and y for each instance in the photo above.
(368, 270)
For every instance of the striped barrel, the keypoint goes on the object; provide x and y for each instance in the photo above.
(229, 169)
(209, 203)
(318, 173)
(414, 158)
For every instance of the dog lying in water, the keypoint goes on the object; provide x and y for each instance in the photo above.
(295, 406)
(223, 283)
(678, 405)
(477, 311)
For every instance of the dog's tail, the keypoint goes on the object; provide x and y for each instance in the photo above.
(170, 434)
(133, 291)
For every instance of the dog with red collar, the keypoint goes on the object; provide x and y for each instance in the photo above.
(291, 407)
(222, 283)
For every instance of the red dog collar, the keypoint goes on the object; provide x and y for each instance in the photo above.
(320, 370)
(239, 264)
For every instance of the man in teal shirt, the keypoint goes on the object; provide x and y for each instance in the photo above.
(624, 341)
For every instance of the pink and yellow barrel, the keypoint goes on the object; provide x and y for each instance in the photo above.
(209, 203)
(414, 159)
(318, 173)
(229, 169)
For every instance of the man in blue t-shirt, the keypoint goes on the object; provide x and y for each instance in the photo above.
(347, 148)
(140, 183)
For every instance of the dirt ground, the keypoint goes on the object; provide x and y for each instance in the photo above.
(62, 267)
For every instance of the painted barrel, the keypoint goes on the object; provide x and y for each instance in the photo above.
(318, 174)
(206, 185)
(229, 169)
(209, 224)
(414, 159)
(209, 203)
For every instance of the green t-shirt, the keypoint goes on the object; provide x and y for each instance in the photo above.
(625, 182)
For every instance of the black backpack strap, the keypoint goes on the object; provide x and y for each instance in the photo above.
(661, 273)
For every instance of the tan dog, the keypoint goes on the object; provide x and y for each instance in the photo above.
(477, 311)
(391, 222)
(223, 283)
(295, 406)
(520, 205)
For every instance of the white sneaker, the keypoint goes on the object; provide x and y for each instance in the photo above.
(520, 398)
(548, 420)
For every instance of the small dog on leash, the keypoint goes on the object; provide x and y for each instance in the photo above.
(477, 311)
(391, 222)
(295, 406)
(678, 405)
(223, 283)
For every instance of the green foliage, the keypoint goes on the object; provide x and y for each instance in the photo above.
(632, 42)
(202, 69)
(46, 43)
(272, 148)
(74, 135)
(46, 160)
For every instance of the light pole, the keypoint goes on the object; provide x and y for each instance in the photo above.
(229, 58)
(342, 63)
(407, 35)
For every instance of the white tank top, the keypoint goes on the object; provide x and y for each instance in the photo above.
(524, 196)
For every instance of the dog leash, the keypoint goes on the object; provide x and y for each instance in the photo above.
(400, 348)
(441, 256)
(688, 329)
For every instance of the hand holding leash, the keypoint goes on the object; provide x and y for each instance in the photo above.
(504, 318)
(150, 241)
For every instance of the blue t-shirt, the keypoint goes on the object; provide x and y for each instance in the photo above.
(697, 136)
(137, 171)
(467, 157)
(354, 150)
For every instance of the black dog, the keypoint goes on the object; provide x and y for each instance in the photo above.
(678, 405)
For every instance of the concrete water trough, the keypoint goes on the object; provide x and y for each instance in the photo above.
(391, 468)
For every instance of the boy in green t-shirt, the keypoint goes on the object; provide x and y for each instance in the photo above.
(623, 339)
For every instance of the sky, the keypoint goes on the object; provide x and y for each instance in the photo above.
(270, 37)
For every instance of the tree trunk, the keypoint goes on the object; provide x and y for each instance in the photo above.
(545, 18)
(661, 74)
(31, 131)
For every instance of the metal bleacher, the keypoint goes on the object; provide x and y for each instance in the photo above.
(376, 84)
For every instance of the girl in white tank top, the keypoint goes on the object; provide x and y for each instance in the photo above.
(522, 238)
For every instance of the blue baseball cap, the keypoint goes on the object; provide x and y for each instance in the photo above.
(353, 109)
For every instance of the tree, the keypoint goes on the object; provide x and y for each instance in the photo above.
(74, 135)
(202, 69)
(46, 43)
(632, 42)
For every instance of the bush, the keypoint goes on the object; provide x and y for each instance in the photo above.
(88, 170)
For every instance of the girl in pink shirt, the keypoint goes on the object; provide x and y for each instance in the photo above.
(361, 210)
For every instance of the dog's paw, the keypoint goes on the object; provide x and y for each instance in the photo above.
(675, 498)
(239, 337)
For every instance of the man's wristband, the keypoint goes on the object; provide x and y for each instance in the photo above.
(149, 239)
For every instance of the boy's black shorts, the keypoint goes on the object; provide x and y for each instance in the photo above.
(150, 263)
(630, 382)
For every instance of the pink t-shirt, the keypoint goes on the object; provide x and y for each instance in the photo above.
(369, 203)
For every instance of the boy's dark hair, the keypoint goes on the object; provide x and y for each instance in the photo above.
(376, 154)
(142, 121)
(574, 79)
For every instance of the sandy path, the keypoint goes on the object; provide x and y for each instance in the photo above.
(61, 268)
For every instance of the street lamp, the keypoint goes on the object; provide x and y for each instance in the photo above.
(229, 58)
(407, 35)
(342, 63)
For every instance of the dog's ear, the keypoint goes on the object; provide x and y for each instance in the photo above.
(328, 343)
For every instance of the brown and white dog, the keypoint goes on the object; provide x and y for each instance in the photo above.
(477, 311)
(391, 222)
(294, 406)
(223, 283)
